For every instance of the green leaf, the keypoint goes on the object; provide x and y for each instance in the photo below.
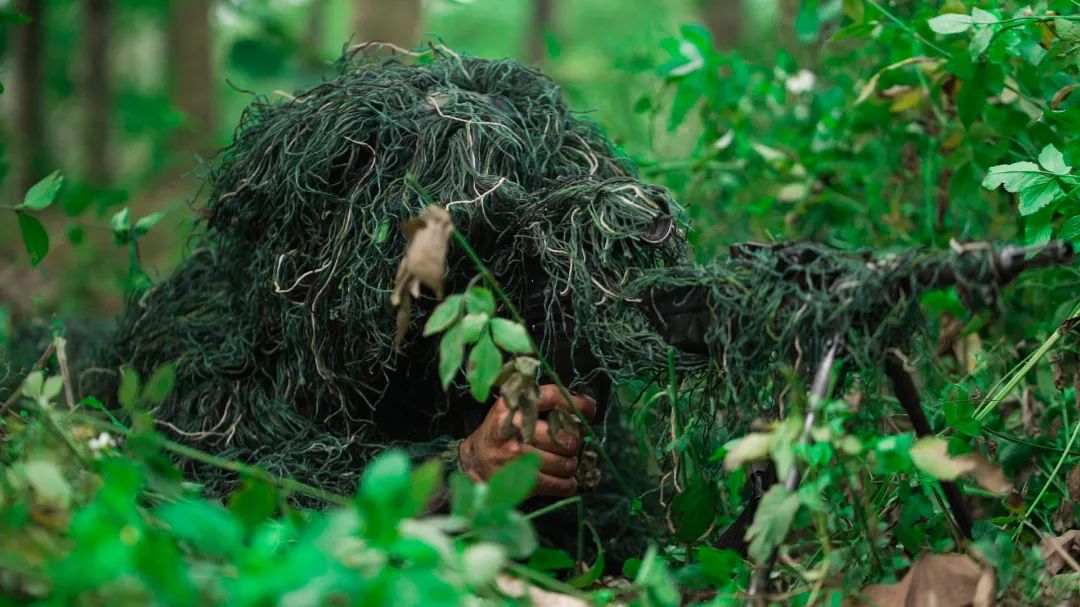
(1067, 30)
(971, 99)
(444, 315)
(513, 482)
(654, 577)
(479, 300)
(34, 237)
(424, 482)
(984, 35)
(483, 562)
(472, 325)
(772, 521)
(485, 361)
(807, 22)
(129, 388)
(33, 384)
(209, 528)
(550, 559)
(855, 10)
(121, 226)
(43, 193)
(1035, 187)
(510, 336)
(931, 455)
(1052, 160)
(950, 23)
(1071, 229)
(255, 502)
(143, 225)
(754, 446)
(48, 482)
(692, 512)
(52, 387)
(1038, 228)
(451, 352)
(13, 17)
(160, 384)
(718, 564)
(981, 17)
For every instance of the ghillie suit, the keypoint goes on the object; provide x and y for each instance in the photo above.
(279, 321)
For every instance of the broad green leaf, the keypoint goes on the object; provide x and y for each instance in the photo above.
(1052, 160)
(129, 388)
(654, 578)
(444, 315)
(971, 99)
(950, 23)
(718, 564)
(1071, 229)
(692, 512)
(424, 482)
(43, 193)
(48, 482)
(485, 361)
(255, 502)
(209, 528)
(1036, 188)
(510, 336)
(34, 237)
(479, 300)
(931, 455)
(772, 521)
(451, 353)
(160, 384)
(981, 17)
(807, 23)
(512, 483)
(33, 384)
(143, 225)
(472, 325)
(754, 446)
(482, 562)
(855, 10)
(550, 559)
(984, 35)
(121, 226)
(1067, 30)
(1038, 228)
(52, 387)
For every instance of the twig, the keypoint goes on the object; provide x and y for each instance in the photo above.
(61, 355)
(18, 390)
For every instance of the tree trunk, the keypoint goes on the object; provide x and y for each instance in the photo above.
(543, 17)
(395, 21)
(30, 158)
(95, 91)
(191, 82)
(724, 20)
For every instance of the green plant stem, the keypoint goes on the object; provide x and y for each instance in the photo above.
(553, 507)
(1049, 481)
(547, 582)
(1019, 372)
(549, 370)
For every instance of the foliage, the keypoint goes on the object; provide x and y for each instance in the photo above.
(913, 124)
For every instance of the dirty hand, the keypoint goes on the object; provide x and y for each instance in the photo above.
(486, 449)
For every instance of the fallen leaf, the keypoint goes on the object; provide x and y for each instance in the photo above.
(1069, 543)
(931, 456)
(940, 580)
(424, 262)
(988, 475)
(1073, 483)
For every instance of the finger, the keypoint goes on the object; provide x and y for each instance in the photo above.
(559, 466)
(564, 443)
(551, 398)
(554, 486)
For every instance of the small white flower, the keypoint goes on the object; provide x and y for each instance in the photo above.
(803, 82)
(102, 442)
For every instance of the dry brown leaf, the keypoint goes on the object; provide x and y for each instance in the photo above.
(1073, 483)
(1069, 543)
(938, 580)
(517, 385)
(987, 474)
(424, 262)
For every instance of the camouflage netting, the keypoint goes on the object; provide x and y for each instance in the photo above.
(279, 321)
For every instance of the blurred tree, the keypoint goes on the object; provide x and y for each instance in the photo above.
(315, 35)
(96, 84)
(724, 20)
(192, 86)
(31, 160)
(543, 17)
(395, 21)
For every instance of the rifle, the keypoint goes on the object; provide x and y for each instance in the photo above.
(683, 317)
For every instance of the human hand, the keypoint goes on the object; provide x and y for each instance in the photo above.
(487, 449)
